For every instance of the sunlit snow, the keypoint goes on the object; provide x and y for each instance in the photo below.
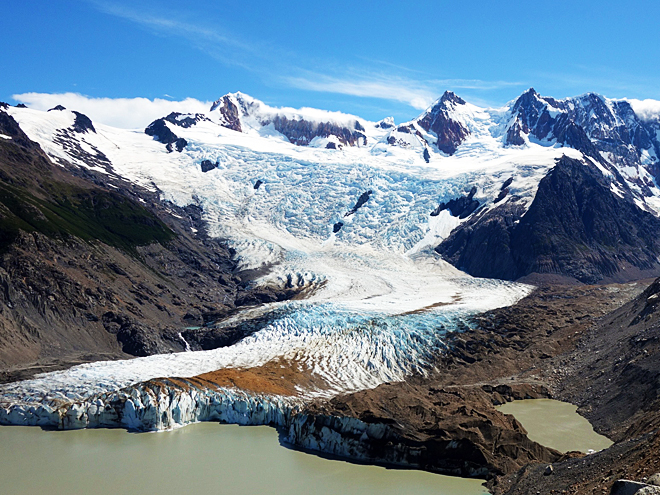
(383, 300)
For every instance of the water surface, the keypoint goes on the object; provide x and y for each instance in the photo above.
(556, 424)
(200, 458)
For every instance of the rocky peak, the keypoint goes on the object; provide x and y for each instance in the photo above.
(530, 116)
(439, 120)
(386, 123)
(82, 123)
(229, 113)
(450, 99)
(185, 120)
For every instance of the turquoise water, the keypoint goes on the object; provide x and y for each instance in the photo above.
(204, 458)
(556, 424)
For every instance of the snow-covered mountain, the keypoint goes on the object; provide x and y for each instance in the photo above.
(364, 218)
(459, 169)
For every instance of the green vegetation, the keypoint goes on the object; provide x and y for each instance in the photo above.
(90, 214)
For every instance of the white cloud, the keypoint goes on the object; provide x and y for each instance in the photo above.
(127, 113)
(646, 109)
(394, 89)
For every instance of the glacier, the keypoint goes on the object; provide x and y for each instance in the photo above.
(380, 300)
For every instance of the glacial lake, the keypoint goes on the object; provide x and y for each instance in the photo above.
(200, 458)
(556, 424)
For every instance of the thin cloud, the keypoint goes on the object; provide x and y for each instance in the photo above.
(417, 94)
(406, 92)
(271, 63)
(127, 113)
(222, 46)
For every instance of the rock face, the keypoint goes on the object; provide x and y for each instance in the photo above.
(229, 112)
(301, 132)
(575, 226)
(82, 123)
(159, 130)
(239, 112)
(185, 120)
(438, 120)
(461, 207)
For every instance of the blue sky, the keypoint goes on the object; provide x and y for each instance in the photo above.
(372, 59)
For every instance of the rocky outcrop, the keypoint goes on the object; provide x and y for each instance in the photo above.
(438, 120)
(574, 227)
(230, 116)
(364, 197)
(587, 123)
(82, 123)
(301, 132)
(159, 130)
(208, 165)
(232, 109)
(386, 123)
(185, 120)
(461, 207)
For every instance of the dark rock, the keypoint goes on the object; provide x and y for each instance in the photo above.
(208, 165)
(301, 132)
(385, 124)
(437, 120)
(331, 146)
(501, 195)
(135, 339)
(21, 105)
(548, 470)
(9, 127)
(258, 184)
(229, 112)
(426, 155)
(364, 197)
(628, 487)
(506, 184)
(159, 130)
(337, 227)
(462, 207)
(186, 122)
(575, 226)
(58, 107)
(82, 123)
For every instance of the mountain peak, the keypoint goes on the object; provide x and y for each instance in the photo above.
(451, 97)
